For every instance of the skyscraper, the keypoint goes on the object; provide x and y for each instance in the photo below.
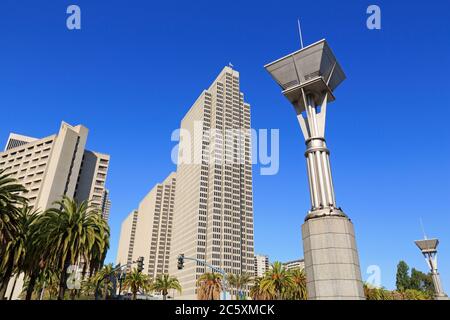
(55, 166)
(213, 213)
(52, 167)
(147, 232)
(154, 227)
(127, 239)
(91, 181)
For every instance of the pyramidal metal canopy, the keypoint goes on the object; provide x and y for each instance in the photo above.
(427, 245)
(313, 68)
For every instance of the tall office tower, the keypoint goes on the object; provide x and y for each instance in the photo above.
(261, 265)
(91, 181)
(49, 167)
(127, 239)
(154, 227)
(106, 205)
(213, 214)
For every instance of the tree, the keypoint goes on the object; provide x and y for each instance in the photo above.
(403, 280)
(135, 281)
(209, 286)
(238, 282)
(163, 283)
(422, 282)
(297, 291)
(103, 276)
(19, 249)
(74, 232)
(277, 281)
(257, 292)
(10, 202)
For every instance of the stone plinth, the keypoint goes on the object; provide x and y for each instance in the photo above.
(331, 259)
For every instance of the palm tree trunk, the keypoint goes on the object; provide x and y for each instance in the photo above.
(4, 285)
(3, 288)
(14, 286)
(31, 285)
(41, 295)
(62, 283)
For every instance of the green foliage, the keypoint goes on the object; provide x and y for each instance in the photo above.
(279, 283)
(163, 283)
(403, 280)
(41, 245)
(136, 282)
(421, 282)
(238, 282)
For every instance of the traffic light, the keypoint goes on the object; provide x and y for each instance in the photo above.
(180, 261)
(140, 264)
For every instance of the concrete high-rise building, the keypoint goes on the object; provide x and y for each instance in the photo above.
(127, 239)
(295, 264)
(213, 214)
(154, 227)
(55, 166)
(52, 167)
(106, 205)
(261, 265)
(91, 181)
(147, 232)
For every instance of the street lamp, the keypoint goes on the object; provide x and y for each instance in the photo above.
(122, 275)
(308, 78)
(428, 247)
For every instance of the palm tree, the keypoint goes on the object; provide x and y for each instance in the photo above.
(277, 281)
(10, 202)
(135, 281)
(163, 283)
(209, 286)
(257, 292)
(74, 231)
(88, 286)
(298, 289)
(104, 276)
(19, 249)
(239, 281)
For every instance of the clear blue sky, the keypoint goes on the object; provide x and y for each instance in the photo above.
(136, 67)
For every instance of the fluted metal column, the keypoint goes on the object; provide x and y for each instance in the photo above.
(312, 122)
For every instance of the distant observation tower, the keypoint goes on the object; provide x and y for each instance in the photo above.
(308, 78)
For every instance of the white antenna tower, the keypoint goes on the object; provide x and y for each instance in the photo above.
(300, 33)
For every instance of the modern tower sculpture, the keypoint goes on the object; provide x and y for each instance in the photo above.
(428, 247)
(308, 78)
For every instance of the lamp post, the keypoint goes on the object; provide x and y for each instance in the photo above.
(122, 276)
(428, 247)
(308, 78)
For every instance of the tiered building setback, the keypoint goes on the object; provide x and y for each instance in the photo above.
(213, 214)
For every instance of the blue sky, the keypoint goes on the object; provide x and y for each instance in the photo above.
(135, 68)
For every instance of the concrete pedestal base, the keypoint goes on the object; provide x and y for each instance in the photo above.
(331, 259)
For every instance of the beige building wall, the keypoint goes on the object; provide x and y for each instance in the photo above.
(213, 215)
(127, 239)
(47, 167)
(295, 264)
(92, 180)
(154, 227)
(261, 265)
